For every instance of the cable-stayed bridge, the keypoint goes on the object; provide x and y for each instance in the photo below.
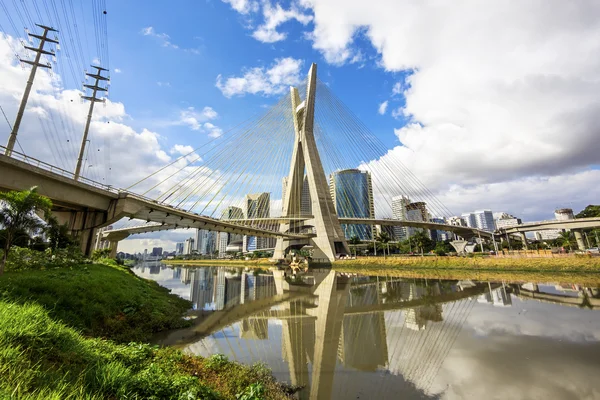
(306, 172)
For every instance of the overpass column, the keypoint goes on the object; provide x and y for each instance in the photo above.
(524, 240)
(113, 249)
(579, 238)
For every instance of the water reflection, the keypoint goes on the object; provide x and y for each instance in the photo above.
(343, 336)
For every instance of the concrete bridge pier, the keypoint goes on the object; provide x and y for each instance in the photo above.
(459, 246)
(82, 225)
(579, 239)
(524, 240)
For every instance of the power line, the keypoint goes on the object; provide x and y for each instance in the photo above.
(93, 99)
(39, 51)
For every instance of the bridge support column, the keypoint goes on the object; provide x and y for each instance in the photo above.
(82, 226)
(113, 249)
(459, 246)
(524, 240)
(579, 239)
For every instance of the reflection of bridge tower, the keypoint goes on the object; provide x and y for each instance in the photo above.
(328, 239)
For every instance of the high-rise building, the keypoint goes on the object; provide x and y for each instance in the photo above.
(439, 235)
(258, 206)
(157, 251)
(564, 214)
(485, 220)
(417, 212)
(352, 194)
(482, 219)
(305, 201)
(206, 241)
(189, 246)
(399, 204)
(179, 249)
(506, 221)
(225, 238)
(469, 219)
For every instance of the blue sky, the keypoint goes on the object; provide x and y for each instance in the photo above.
(224, 47)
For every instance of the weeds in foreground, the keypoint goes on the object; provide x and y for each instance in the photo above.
(41, 358)
(99, 300)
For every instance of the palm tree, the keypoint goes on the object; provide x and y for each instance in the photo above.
(564, 239)
(384, 238)
(18, 212)
(354, 241)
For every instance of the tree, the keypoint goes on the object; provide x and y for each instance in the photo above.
(383, 238)
(589, 212)
(564, 239)
(18, 212)
(421, 241)
(58, 235)
(354, 241)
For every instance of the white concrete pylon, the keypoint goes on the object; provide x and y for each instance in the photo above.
(329, 238)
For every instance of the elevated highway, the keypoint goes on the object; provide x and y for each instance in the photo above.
(85, 206)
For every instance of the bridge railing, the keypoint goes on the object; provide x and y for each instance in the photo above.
(60, 171)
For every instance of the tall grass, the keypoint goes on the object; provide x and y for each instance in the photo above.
(99, 300)
(41, 358)
(562, 264)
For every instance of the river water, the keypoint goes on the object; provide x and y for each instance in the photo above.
(347, 336)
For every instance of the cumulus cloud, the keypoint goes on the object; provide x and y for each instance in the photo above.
(268, 81)
(493, 90)
(275, 16)
(117, 70)
(243, 6)
(194, 119)
(382, 108)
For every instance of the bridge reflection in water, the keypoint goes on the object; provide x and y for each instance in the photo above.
(341, 336)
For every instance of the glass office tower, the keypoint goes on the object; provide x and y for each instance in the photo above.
(352, 194)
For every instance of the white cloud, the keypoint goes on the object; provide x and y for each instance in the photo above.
(163, 38)
(398, 112)
(398, 88)
(274, 80)
(243, 6)
(213, 131)
(275, 16)
(117, 70)
(194, 119)
(181, 149)
(163, 84)
(383, 108)
(498, 91)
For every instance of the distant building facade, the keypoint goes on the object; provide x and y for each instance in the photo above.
(352, 194)
(224, 239)
(506, 221)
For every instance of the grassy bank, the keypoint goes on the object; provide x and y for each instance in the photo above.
(572, 269)
(531, 264)
(259, 262)
(98, 300)
(42, 358)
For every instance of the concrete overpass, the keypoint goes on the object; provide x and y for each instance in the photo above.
(85, 206)
(576, 225)
(116, 235)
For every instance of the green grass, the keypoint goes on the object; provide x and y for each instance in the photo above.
(98, 300)
(41, 358)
